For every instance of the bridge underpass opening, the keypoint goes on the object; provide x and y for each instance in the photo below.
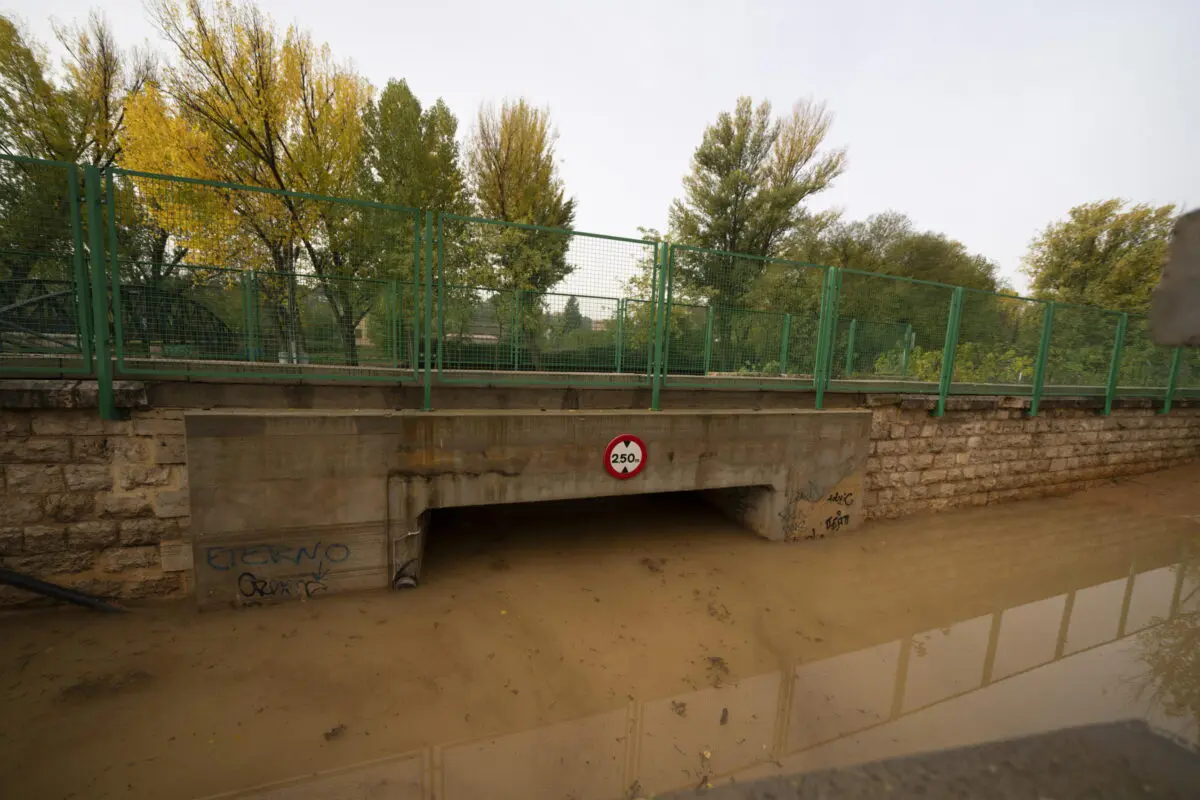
(572, 537)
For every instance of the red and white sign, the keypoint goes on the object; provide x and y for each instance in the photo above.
(625, 456)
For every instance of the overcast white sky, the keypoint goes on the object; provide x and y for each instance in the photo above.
(982, 120)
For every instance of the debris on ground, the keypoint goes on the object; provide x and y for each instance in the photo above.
(679, 708)
(335, 732)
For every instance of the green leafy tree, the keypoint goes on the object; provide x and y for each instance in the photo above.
(246, 103)
(1106, 254)
(75, 114)
(512, 170)
(572, 319)
(513, 173)
(745, 194)
(410, 156)
(889, 244)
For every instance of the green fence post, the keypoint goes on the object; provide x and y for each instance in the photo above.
(1172, 380)
(83, 309)
(826, 327)
(850, 347)
(783, 345)
(906, 354)
(427, 304)
(441, 292)
(1039, 369)
(948, 348)
(1114, 367)
(392, 300)
(104, 367)
(620, 325)
(249, 303)
(708, 334)
(516, 333)
(662, 255)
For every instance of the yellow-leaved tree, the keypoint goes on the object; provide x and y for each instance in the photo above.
(244, 103)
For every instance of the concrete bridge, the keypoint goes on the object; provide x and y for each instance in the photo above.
(294, 504)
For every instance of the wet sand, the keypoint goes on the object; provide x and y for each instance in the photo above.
(603, 648)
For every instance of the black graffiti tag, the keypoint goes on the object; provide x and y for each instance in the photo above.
(251, 586)
(836, 521)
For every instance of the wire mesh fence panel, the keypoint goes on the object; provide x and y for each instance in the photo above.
(803, 336)
(44, 316)
(1188, 379)
(749, 320)
(564, 304)
(890, 331)
(1081, 349)
(685, 335)
(219, 280)
(857, 345)
(1145, 367)
(478, 329)
(637, 337)
(999, 337)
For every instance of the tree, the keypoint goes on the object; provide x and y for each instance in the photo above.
(77, 118)
(512, 171)
(889, 244)
(572, 318)
(750, 177)
(245, 104)
(1106, 254)
(80, 119)
(410, 156)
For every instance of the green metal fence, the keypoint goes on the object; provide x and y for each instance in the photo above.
(45, 324)
(528, 304)
(126, 273)
(215, 280)
(895, 332)
(738, 320)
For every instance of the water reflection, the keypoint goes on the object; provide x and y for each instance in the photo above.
(1116, 650)
(1170, 649)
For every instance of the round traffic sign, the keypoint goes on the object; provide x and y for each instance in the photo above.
(625, 456)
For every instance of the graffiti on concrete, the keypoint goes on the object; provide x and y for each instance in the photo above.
(842, 498)
(251, 586)
(836, 521)
(224, 559)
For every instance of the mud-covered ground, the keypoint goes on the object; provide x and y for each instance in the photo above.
(620, 648)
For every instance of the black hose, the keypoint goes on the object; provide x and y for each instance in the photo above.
(47, 589)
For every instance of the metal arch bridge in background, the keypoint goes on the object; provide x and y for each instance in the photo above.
(40, 316)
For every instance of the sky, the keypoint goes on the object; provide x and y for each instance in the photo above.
(983, 121)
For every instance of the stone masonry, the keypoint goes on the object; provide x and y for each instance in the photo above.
(103, 506)
(975, 457)
(92, 504)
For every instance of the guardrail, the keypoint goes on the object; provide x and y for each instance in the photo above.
(123, 273)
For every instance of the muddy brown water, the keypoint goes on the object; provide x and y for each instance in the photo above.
(613, 649)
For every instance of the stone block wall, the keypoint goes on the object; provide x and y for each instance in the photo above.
(93, 504)
(978, 456)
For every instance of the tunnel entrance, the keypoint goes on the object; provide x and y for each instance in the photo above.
(651, 529)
